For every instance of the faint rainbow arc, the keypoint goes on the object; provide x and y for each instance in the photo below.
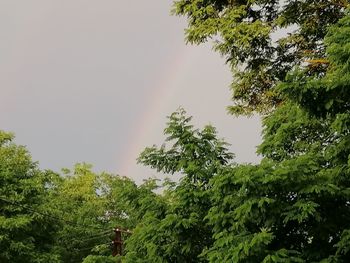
(159, 97)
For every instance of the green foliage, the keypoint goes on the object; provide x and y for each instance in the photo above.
(25, 234)
(90, 206)
(244, 32)
(328, 93)
(180, 233)
(45, 217)
(100, 259)
(294, 206)
(299, 193)
(82, 214)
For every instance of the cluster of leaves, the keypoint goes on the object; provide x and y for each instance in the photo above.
(47, 217)
(176, 232)
(24, 236)
(293, 206)
(250, 35)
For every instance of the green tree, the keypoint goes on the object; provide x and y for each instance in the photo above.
(88, 207)
(174, 230)
(245, 33)
(294, 205)
(81, 213)
(26, 231)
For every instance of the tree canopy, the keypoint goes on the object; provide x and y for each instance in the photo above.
(262, 40)
(26, 234)
(293, 206)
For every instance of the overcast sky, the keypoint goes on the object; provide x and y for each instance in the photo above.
(93, 81)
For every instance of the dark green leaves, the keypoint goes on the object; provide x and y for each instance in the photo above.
(244, 32)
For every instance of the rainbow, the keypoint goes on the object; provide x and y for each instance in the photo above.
(164, 90)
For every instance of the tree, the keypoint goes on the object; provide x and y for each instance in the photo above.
(89, 207)
(175, 230)
(26, 230)
(291, 207)
(294, 205)
(81, 212)
(245, 33)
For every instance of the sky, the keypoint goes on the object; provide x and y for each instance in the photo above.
(93, 81)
